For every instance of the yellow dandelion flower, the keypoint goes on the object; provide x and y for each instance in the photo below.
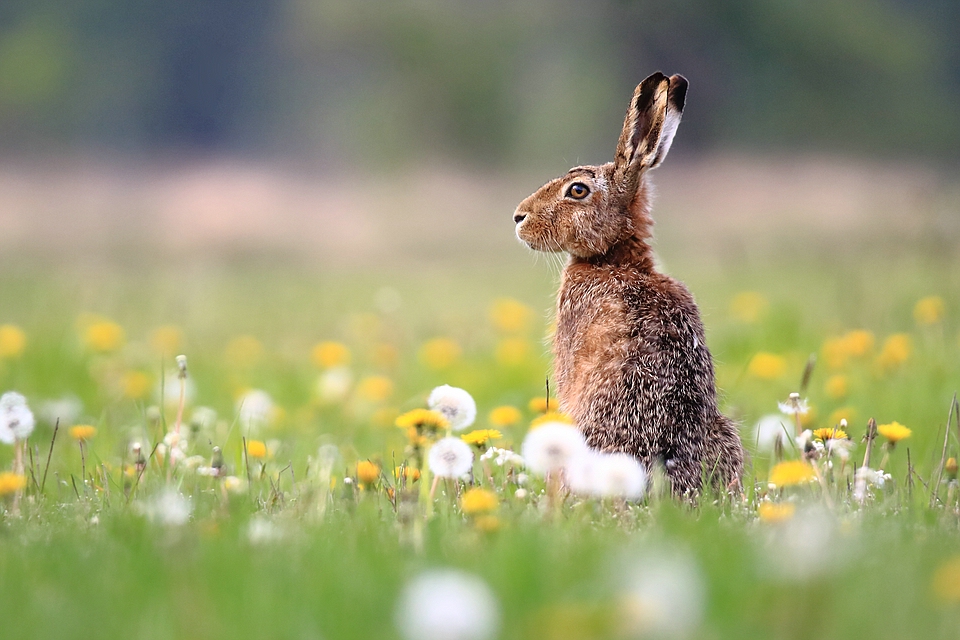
(11, 482)
(791, 472)
(425, 419)
(13, 341)
(776, 511)
(951, 467)
(829, 433)
(836, 386)
(480, 437)
(409, 473)
(896, 350)
(510, 316)
(551, 416)
(505, 416)
(858, 342)
(946, 581)
(477, 501)
(843, 413)
(487, 523)
(767, 366)
(243, 352)
(256, 449)
(375, 389)
(894, 432)
(368, 472)
(136, 385)
(167, 340)
(929, 310)
(749, 306)
(327, 355)
(540, 405)
(83, 432)
(104, 336)
(440, 353)
(511, 352)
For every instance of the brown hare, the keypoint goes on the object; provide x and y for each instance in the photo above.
(631, 365)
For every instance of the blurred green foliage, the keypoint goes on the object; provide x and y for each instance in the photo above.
(495, 82)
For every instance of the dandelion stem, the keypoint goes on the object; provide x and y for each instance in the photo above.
(934, 495)
(18, 469)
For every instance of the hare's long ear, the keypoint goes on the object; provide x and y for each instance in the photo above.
(648, 128)
(676, 96)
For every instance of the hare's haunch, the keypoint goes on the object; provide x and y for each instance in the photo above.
(631, 364)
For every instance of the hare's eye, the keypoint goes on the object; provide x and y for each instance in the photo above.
(578, 191)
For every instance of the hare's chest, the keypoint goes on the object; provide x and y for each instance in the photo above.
(591, 343)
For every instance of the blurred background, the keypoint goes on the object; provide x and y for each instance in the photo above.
(355, 136)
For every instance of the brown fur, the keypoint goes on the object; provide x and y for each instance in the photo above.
(631, 364)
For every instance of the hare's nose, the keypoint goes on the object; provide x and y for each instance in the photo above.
(518, 217)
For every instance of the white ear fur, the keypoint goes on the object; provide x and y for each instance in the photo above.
(676, 98)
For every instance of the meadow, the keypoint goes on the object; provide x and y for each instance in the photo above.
(267, 491)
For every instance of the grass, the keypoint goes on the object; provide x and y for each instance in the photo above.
(84, 559)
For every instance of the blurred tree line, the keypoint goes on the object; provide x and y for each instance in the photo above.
(502, 82)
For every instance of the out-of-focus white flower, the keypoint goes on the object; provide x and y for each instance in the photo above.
(768, 430)
(450, 458)
(66, 409)
(169, 391)
(795, 404)
(16, 419)
(520, 494)
(502, 456)
(839, 447)
(169, 509)
(664, 595)
(552, 446)
(455, 404)
(175, 445)
(522, 478)
(333, 385)
(254, 409)
(873, 477)
(203, 419)
(193, 462)
(262, 530)
(806, 546)
(445, 604)
(233, 484)
(806, 442)
(607, 475)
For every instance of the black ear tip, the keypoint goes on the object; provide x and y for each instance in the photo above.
(678, 91)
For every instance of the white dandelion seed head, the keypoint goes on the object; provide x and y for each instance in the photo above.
(254, 409)
(839, 447)
(520, 494)
(446, 604)
(263, 530)
(619, 475)
(794, 405)
(169, 509)
(768, 430)
(552, 446)
(168, 393)
(333, 385)
(502, 456)
(16, 419)
(806, 546)
(203, 418)
(455, 404)
(66, 409)
(664, 594)
(450, 458)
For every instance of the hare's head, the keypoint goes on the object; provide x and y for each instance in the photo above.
(592, 208)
